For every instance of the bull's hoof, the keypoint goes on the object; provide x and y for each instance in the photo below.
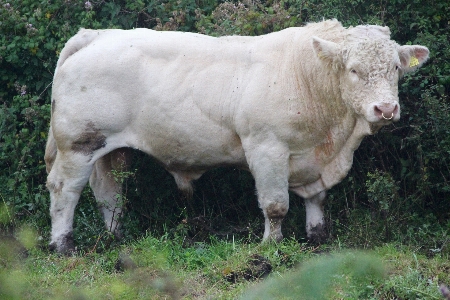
(63, 245)
(317, 235)
(273, 237)
(277, 238)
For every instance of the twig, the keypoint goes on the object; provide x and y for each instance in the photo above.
(39, 97)
(95, 246)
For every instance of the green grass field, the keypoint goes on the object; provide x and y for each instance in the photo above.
(161, 268)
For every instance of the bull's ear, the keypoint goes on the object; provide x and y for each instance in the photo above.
(326, 50)
(412, 57)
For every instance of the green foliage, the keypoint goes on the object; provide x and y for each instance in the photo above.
(397, 189)
(315, 279)
(381, 190)
(160, 268)
(412, 275)
(22, 140)
(248, 18)
(33, 34)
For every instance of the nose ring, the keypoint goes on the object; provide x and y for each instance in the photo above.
(392, 115)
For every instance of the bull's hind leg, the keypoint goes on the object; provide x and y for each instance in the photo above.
(68, 176)
(315, 222)
(107, 186)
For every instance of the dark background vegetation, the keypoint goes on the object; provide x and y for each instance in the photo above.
(397, 190)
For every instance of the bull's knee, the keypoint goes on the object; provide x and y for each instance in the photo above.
(274, 215)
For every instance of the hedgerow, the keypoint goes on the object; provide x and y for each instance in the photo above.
(397, 189)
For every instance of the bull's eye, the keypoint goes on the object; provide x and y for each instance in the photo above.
(396, 68)
(353, 71)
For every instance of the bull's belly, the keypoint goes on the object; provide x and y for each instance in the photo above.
(187, 160)
(195, 152)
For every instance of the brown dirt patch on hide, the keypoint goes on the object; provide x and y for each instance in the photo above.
(326, 148)
(89, 141)
(55, 187)
(276, 211)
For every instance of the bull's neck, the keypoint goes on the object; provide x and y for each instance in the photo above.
(336, 131)
(319, 96)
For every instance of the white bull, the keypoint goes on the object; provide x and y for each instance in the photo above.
(290, 106)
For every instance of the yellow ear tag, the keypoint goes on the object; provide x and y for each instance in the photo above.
(413, 61)
(320, 54)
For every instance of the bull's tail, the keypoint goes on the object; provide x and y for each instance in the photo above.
(50, 151)
(83, 38)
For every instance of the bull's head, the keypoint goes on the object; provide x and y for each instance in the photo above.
(369, 67)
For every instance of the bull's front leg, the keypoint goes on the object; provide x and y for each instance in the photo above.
(315, 222)
(274, 213)
(269, 166)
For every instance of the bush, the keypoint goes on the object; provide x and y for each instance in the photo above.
(406, 162)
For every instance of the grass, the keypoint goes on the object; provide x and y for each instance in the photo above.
(161, 268)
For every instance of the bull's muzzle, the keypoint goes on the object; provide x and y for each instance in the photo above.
(386, 111)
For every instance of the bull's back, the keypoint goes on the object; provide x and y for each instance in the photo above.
(154, 91)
